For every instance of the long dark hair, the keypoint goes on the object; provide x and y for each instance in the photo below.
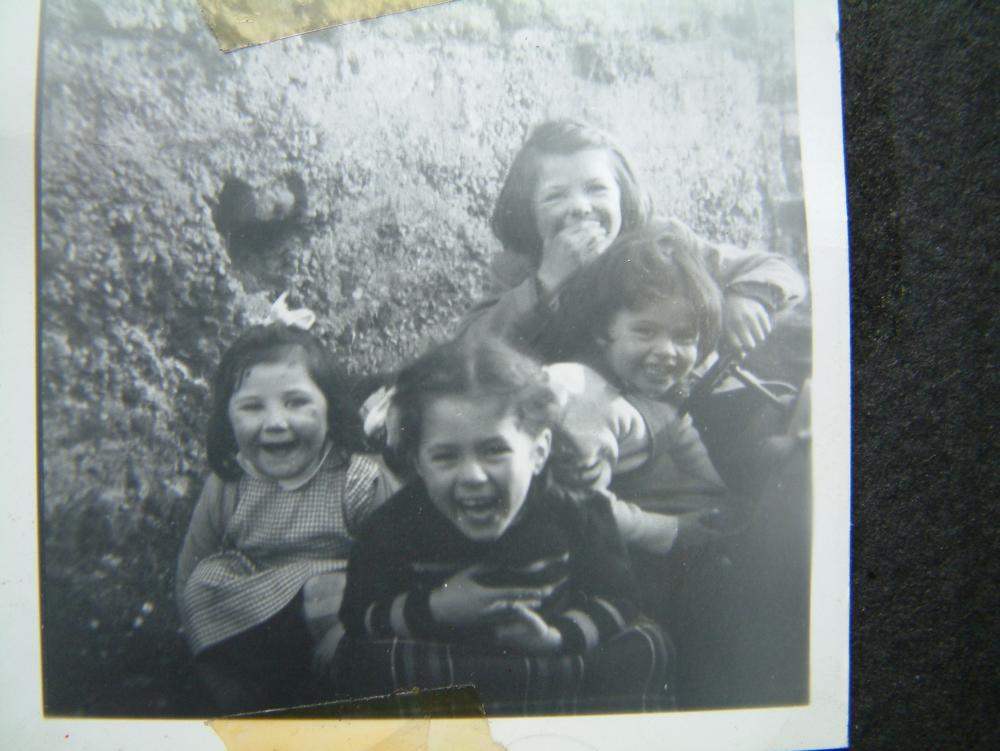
(270, 344)
(514, 222)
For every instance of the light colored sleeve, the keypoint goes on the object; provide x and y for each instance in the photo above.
(698, 476)
(645, 530)
(631, 433)
(601, 424)
(206, 531)
(369, 484)
(766, 277)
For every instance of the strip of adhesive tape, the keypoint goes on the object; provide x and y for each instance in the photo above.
(242, 23)
(421, 734)
(458, 722)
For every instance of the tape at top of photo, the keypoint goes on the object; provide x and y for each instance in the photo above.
(238, 24)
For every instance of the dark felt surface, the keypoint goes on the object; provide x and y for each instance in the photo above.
(921, 89)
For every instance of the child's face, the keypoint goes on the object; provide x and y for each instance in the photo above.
(575, 189)
(651, 350)
(477, 463)
(279, 417)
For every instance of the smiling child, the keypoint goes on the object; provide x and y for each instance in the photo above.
(477, 572)
(570, 192)
(286, 495)
(637, 321)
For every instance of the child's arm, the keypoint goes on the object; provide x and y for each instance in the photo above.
(597, 425)
(385, 598)
(703, 489)
(440, 613)
(681, 476)
(644, 530)
(205, 533)
(603, 594)
(601, 432)
(369, 484)
(695, 496)
(658, 533)
(606, 593)
(757, 285)
(516, 308)
(697, 477)
(376, 570)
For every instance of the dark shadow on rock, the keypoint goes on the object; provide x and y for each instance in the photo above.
(255, 233)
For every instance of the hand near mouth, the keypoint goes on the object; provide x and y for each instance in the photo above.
(572, 248)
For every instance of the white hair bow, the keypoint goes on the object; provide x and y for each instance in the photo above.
(300, 318)
(381, 417)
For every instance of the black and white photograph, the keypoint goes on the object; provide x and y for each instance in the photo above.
(454, 362)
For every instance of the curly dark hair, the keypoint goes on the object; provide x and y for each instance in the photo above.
(514, 222)
(270, 344)
(654, 262)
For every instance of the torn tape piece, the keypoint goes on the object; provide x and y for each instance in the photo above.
(438, 720)
(242, 23)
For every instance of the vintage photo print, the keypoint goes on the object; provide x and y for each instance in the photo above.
(488, 356)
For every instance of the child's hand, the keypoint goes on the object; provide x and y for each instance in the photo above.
(321, 598)
(697, 528)
(326, 648)
(527, 632)
(463, 601)
(599, 431)
(745, 322)
(572, 248)
(694, 529)
(576, 469)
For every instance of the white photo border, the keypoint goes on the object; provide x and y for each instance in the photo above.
(823, 723)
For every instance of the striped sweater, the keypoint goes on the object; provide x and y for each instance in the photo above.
(408, 549)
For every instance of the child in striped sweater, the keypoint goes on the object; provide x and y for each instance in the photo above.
(480, 571)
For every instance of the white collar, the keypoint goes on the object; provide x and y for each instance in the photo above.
(292, 483)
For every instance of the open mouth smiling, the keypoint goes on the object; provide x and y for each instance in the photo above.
(659, 372)
(282, 449)
(479, 508)
(590, 222)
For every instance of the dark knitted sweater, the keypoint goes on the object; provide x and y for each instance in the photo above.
(409, 548)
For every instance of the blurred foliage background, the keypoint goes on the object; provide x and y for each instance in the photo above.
(182, 189)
